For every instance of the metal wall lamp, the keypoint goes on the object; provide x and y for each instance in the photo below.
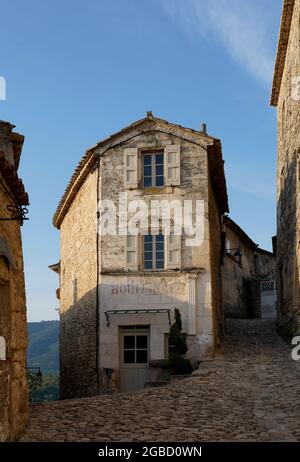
(237, 253)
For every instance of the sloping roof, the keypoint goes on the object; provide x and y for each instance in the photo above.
(12, 179)
(285, 27)
(240, 232)
(244, 236)
(90, 158)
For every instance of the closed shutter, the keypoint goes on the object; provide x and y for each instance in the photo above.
(131, 253)
(172, 165)
(173, 248)
(131, 173)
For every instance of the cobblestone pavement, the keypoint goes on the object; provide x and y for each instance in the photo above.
(249, 393)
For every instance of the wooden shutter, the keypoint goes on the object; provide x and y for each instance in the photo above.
(131, 253)
(172, 165)
(173, 251)
(131, 168)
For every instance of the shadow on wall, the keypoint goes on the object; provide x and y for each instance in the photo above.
(288, 319)
(79, 327)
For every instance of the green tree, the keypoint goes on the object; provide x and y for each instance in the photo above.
(178, 348)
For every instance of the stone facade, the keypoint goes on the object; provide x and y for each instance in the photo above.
(102, 294)
(286, 96)
(13, 327)
(243, 275)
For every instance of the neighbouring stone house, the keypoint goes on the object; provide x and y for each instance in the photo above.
(248, 275)
(13, 327)
(118, 293)
(286, 97)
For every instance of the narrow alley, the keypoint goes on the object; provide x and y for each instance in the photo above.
(249, 393)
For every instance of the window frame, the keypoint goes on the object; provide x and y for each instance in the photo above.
(135, 349)
(153, 251)
(154, 176)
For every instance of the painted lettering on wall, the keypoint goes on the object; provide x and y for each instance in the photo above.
(133, 289)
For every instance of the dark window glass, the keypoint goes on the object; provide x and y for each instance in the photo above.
(129, 356)
(154, 252)
(141, 356)
(159, 181)
(142, 341)
(159, 158)
(147, 182)
(159, 170)
(129, 341)
(148, 265)
(153, 165)
(159, 255)
(159, 246)
(148, 256)
(147, 170)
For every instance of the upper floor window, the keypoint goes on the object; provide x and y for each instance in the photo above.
(153, 170)
(154, 252)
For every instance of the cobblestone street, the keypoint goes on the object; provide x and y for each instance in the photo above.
(250, 393)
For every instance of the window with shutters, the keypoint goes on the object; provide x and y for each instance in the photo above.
(131, 253)
(131, 169)
(153, 170)
(173, 253)
(154, 252)
(172, 165)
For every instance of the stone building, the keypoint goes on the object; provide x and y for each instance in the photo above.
(13, 327)
(248, 275)
(286, 97)
(118, 293)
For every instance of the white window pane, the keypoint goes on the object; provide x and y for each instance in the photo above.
(130, 241)
(130, 257)
(130, 176)
(172, 157)
(130, 161)
(172, 172)
(173, 256)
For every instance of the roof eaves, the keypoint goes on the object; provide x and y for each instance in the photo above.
(285, 26)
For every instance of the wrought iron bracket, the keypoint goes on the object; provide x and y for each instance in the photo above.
(17, 213)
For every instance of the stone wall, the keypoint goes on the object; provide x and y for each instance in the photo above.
(13, 326)
(288, 187)
(78, 295)
(215, 232)
(242, 277)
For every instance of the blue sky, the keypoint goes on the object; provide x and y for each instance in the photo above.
(78, 71)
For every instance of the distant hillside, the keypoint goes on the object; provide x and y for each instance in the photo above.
(43, 346)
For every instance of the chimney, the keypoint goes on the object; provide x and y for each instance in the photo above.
(203, 129)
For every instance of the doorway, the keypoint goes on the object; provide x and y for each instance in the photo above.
(134, 358)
